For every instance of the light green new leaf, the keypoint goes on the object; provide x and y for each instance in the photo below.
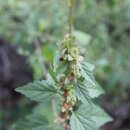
(39, 91)
(88, 117)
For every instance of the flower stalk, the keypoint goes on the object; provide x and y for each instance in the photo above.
(70, 5)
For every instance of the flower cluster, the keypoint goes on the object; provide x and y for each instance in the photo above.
(69, 71)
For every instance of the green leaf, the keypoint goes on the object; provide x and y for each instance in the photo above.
(93, 87)
(81, 92)
(100, 116)
(45, 109)
(37, 119)
(39, 91)
(56, 60)
(31, 122)
(50, 127)
(84, 90)
(87, 72)
(21, 125)
(62, 68)
(55, 126)
(52, 74)
(50, 78)
(88, 117)
(59, 67)
(88, 66)
(81, 119)
(94, 91)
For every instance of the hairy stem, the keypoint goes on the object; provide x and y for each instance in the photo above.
(70, 21)
(70, 5)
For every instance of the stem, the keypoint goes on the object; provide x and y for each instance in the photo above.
(70, 5)
(70, 21)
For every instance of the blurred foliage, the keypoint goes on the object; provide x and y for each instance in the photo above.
(108, 24)
(101, 26)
